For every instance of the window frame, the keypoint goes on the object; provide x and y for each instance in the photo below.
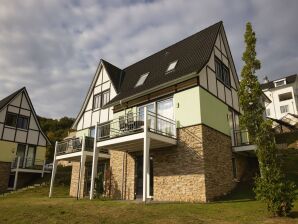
(220, 67)
(23, 118)
(284, 106)
(279, 81)
(175, 62)
(139, 83)
(15, 120)
(98, 95)
(102, 97)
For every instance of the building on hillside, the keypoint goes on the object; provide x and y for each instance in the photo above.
(165, 128)
(283, 95)
(22, 142)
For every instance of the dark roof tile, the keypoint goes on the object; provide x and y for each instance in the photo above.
(192, 54)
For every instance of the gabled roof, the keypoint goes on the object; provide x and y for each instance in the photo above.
(192, 54)
(9, 98)
(270, 85)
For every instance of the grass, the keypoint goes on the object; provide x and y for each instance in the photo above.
(33, 206)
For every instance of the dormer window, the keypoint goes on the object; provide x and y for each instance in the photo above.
(172, 66)
(280, 83)
(142, 79)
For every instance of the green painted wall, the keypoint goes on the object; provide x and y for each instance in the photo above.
(214, 113)
(40, 155)
(81, 133)
(187, 107)
(7, 151)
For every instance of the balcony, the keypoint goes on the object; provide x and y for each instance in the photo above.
(126, 133)
(241, 142)
(72, 149)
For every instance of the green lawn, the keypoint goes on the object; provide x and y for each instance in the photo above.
(33, 206)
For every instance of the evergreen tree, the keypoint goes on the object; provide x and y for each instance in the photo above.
(271, 186)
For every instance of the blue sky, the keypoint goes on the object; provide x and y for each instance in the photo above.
(53, 47)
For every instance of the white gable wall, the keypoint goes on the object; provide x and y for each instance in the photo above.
(91, 117)
(208, 78)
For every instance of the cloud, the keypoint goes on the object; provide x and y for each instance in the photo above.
(53, 47)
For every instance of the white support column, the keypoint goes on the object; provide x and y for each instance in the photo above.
(16, 174)
(43, 169)
(82, 168)
(94, 165)
(146, 159)
(54, 169)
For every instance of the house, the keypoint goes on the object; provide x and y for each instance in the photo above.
(165, 128)
(22, 142)
(283, 95)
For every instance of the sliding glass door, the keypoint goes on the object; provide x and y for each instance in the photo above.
(165, 113)
(30, 160)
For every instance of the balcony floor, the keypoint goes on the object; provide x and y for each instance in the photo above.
(135, 142)
(76, 156)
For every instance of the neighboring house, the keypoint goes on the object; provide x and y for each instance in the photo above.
(166, 127)
(22, 142)
(283, 95)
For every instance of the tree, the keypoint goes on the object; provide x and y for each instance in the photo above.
(56, 130)
(271, 186)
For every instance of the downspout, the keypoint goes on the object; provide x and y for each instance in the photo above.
(122, 182)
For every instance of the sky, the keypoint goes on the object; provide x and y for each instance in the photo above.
(54, 47)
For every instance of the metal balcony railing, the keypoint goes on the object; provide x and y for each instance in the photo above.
(241, 138)
(74, 145)
(27, 163)
(134, 123)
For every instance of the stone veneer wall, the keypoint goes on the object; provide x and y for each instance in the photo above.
(198, 169)
(4, 175)
(122, 175)
(218, 163)
(179, 171)
(75, 179)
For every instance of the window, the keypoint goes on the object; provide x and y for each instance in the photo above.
(268, 112)
(142, 79)
(222, 72)
(234, 165)
(284, 109)
(101, 99)
(11, 119)
(280, 83)
(104, 130)
(97, 101)
(172, 66)
(23, 122)
(285, 96)
(105, 97)
(92, 132)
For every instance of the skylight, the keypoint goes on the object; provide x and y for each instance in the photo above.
(142, 79)
(172, 66)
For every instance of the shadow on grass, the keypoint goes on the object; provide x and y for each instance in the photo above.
(242, 193)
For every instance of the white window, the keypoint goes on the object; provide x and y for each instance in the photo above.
(142, 79)
(268, 112)
(97, 101)
(172, 66)
(284, 109)
(105, 97)
(280, 83)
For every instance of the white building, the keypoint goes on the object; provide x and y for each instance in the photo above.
(283, 95)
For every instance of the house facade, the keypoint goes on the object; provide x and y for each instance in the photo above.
(22, 142)
(165, 128)
(283, 95)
